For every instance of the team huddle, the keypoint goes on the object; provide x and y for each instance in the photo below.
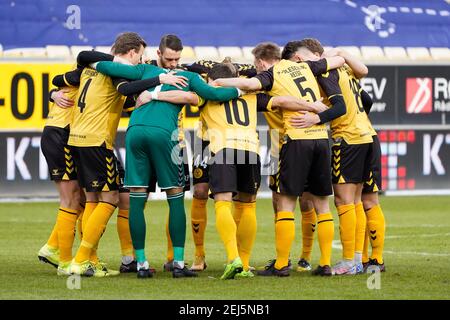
(299, 90)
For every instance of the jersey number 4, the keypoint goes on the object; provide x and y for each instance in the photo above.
(82, 98)
(237, 118)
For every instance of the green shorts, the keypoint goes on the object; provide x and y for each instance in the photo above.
(150, 151)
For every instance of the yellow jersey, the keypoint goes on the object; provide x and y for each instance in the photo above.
(232, 124)
(356, 87)
(97, 111)
(275, 122)
(61, 117)
(288, 78)
(353, 125)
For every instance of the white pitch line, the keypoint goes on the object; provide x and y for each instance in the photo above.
(430, 235)
(336, 244)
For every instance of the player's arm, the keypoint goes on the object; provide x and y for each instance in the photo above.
(360, 70)
(366, 100)
(177, 97)
(68, 79)
(85, 58)
(200, 67)
(119, 70)
(252, 84)
(323, 65)
(208, 92)
(128, 88)
(297, 104)
(246, 70)
(330, 85)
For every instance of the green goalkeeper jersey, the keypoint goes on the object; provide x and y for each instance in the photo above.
(159, 113)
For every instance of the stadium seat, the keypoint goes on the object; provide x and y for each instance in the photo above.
(440, 53)
(58, 52)
(352, 50)
(104, 49)
(418, 53)
(207, 53)
(247, 54)
(188, 53)
(75, 50)
(372, 53)
(395, 53)
(235, 53)
(25, 53)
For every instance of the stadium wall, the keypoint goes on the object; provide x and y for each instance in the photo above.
(407, 23)
(411, 111)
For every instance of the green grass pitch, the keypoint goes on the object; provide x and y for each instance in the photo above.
(417, 258)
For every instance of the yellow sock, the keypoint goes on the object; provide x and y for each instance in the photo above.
(169, 242)
(347, 227)
(309, 220)
(93, 230)
(237, 212)
(227, 228)
(88, 209)
(67, 219)
(376, 226)
(360, 230)
(53, 239)
(325, 233)
(123, 230)
(199, 218)
(80, 224)
(284, 236)
(246, 232)
(365, 254)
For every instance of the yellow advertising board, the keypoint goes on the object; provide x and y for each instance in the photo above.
(24, 99)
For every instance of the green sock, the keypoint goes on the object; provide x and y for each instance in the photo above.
(140, 255)
(177, 224)
(137, 223)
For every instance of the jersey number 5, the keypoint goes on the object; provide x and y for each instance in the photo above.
(303, 91)
(82, 98)
(234, 105)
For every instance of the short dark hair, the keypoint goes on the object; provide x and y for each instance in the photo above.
(170, 41)
(222, 70)
(290, 49)
(127, 41)
(267, 51)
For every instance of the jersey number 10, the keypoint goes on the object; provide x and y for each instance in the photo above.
(237, 118)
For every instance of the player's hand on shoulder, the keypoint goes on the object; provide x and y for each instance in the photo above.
(61, 100)
(172, 79)
(143, 98)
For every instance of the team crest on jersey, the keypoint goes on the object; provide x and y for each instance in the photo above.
(198, 173)
(94, 184)
(55, 172)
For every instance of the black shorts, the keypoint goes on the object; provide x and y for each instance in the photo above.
(58, 154)
(350, 162)
(97, 168)
(234, 171)
(200, 163)
(303, 161)
(374, 183)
